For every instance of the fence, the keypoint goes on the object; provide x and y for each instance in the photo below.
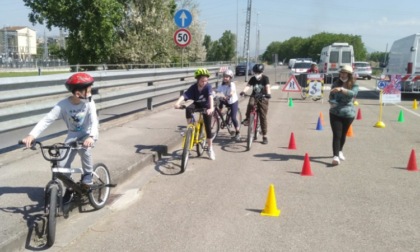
(25, 100)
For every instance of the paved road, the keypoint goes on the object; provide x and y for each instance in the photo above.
(367, 203)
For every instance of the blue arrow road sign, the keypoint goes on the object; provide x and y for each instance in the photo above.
(183, 18)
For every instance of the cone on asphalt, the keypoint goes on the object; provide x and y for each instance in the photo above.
(319, 124)
(356, 103)
(306, 168)
(271, 204)
(359, 114)
(415, 104)
(291, 102)
(292, 142)
(350, 131)
(322, 118)
(412, 162)
(401, 116)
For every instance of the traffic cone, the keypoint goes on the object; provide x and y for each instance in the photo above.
(356, 103)
(412, 162)
(271, 204)
(319, 124)
(322, 118)
(350, 131)
(306, 168)
(359, 114)
(291, 102)
(401, 116)
(292, 143)
(415, 104)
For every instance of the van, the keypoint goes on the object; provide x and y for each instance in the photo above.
(404, 60)
(333, 57)
(291, 63)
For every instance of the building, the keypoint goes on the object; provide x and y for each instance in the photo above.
(17, 43)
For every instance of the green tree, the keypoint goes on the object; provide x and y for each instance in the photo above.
(222, 49)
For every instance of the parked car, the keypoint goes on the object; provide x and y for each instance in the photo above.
(301, 67)
(363, 70)
(240, 69)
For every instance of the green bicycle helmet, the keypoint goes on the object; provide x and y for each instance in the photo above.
(201, 72)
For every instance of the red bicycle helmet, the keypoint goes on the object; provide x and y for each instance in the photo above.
(79, 81)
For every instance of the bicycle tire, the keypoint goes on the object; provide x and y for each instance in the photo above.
(202, 141)
(214, 125)
(99, 193)
(186, 150)
(52, 214)
(251, 131)
(257, 130)
(231, 128)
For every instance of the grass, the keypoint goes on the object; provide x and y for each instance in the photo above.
(24, 74)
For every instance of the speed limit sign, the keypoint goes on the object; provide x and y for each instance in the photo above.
(182, 37)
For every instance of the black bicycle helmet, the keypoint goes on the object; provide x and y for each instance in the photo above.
(258, 68)
(79, 81)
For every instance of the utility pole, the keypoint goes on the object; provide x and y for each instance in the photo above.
(246, 38)
(257, 40)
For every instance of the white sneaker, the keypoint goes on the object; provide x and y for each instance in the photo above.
(211, 154)
(336, 160)
(341, 156)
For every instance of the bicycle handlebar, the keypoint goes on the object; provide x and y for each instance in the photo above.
(53, 152)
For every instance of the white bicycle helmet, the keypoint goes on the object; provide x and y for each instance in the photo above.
(228, 73)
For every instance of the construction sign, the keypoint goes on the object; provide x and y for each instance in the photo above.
(292, 85)
(315, 84)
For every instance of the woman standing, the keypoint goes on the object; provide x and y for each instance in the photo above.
(342, 111)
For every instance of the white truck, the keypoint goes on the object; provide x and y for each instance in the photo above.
(333, 57)
(404, 60)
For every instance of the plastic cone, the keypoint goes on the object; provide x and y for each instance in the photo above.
(412, 162)
(319, 124)
(292, 143)
(359, 114)
(322, 118)
(350, 131)
(306, 168)
(291, 102)
(401, 116)
(271, 204)
(356, 103)
(415, 104)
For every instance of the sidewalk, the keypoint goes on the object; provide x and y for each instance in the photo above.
(126, 146)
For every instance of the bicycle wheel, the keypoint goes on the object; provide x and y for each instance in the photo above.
(202, 141)
(257, 130)
(186, 149)
(231, 128)
(99, 192)
(214, 125)
(52, 207)
(251, 131)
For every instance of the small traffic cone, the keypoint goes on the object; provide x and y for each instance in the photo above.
(359, 114)
(306, 168)
(415, 104)
(350, 131)
(401, 116)
(319, 124)
(292, 143)
(291, 102)
(412, 162)
(271, 204)
(322, 118)
(356, 103)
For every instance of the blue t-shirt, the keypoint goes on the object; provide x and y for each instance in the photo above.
(201, 99)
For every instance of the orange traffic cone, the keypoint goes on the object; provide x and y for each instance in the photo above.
(412, 162)
(322, 118)
(306, 168)
(359, 114)
(271, 204)
(292, 143)
(350, 131)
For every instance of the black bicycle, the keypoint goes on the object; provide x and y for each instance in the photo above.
(225, 119)
(96, 194)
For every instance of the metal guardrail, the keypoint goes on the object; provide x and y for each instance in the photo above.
(25, 100)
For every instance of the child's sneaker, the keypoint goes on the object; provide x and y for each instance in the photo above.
(265, 140)
(237, 136)
(211, 154)
(245, 122)
(87, 179)
(336, 160)
(341, 156)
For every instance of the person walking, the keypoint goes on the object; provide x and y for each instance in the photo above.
(342, 111)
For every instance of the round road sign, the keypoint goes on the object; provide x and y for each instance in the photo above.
(182, 37)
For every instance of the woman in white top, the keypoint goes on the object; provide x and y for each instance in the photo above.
(228, 91)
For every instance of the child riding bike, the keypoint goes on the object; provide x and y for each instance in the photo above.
(230, 99)
(260, 84)
(79, 114)
(201, 93)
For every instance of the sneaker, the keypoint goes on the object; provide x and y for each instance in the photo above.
(336, 160)
(68, 196)
(210, 152)
(341, 156)
(265, 140)
(237, 136)
(245, 122)
(87, 179)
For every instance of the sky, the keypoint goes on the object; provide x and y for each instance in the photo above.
(378, 22)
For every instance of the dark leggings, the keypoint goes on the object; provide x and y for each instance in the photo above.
(339, 126)
(233, 111)
(206, 119)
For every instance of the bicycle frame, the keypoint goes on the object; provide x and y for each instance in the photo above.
(196, 127)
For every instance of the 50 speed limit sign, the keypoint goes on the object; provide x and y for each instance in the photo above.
(182, 37)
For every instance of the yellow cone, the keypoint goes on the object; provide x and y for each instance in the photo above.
(271, 204)
(415, 104)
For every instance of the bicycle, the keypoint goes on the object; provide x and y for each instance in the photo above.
(225, 120)
(97, 193)
(195, 135)
(254, 126)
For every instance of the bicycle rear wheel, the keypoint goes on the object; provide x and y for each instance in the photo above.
(214, 125)
(100, 190)
(52, 201)
(186, 150)
(257, 130)
(202, 141)
(251, 131)
(231, 128)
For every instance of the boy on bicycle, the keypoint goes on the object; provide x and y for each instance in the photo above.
(260, 85)
(201, 93)
(79, 114)
(230, 99)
